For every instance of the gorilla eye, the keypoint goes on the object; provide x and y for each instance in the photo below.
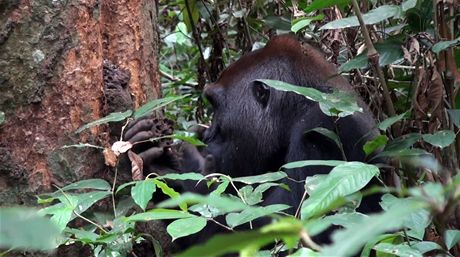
(261, 92)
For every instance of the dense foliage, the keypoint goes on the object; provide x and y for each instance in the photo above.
(410, 80)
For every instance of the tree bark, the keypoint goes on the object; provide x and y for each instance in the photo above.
(51, 83)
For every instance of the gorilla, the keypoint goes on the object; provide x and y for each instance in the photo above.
(256, 128)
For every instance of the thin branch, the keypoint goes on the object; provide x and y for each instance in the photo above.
(307, 241)
(196, 36)
(373, 57)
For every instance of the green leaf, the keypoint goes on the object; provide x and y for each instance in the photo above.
(24, 229)
(337, 103)
(455, 116)
(82, 235)
(304, 22)
(389, 52)
(452, 238)
(278, 22)
(266, 177)
(304, 252)
(349, 241)
(440, 139)
(300, 24)
(142, 192)
(2, 118)
(156, 104)
(321, 4)
(343, 180)
(372, 17)
(190, 14)
(375, 144)
(329, 134)
(301, 164)
(236, 219)
(442, 45)
(398, 250)
(250, 241)
(184, 227)
(125, 185)
(224, 204)
(112, 117)
(158, 214)
(426, 246)
(98, 184)
(408, 4)
(188, 137)
(169, 192)
(416, 222)
(384, 125)
(63, 212)
(403, 142)
(183, 176)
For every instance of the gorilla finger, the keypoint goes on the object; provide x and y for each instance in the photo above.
(145, 117)
(151, 154)
(142, 125)
(141, 136)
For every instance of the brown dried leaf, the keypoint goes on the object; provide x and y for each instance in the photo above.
(137, 166)
(110, 157)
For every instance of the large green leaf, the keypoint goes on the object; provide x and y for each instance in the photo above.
(389, 52)
(438, 47)
(158, 214)
(350, 240)
(402, 250)
(416, 222)
(337, 103)
(23, 228)
(452, 238)
(142, 192)
(301, 164)
(183, 176)
(321, 4)
(186, 226)
(455, 116)
(343, 180)
(156, 104)
(250, 241)
(224, 204)
(169, 191)
(236, 219)
(112, 117)
(440, 139)
(62, 213)
(267, 177)
(372, 17)
(98, 184)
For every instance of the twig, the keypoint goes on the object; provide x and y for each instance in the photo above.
(373, 57)
(176, 79)
(196, 36)
(307, 241)
(80, 216)
(220, 224)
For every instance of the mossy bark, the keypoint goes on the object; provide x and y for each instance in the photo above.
(51, 83)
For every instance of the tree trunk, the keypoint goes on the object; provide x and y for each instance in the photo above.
(51, 83)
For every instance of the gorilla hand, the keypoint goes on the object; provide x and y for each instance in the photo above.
(161, 156)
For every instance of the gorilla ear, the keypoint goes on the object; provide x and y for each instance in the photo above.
(261, 92)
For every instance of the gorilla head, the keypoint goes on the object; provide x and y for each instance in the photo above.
(256, 128)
